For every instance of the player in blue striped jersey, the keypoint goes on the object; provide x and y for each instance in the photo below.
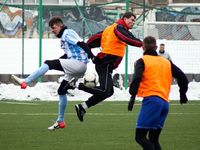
(73, 63)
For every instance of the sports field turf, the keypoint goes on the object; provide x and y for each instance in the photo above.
(107, 126)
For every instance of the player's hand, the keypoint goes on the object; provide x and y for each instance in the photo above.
(131, 103)
(183, 99)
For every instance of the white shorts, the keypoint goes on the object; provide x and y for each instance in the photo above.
(73, 68)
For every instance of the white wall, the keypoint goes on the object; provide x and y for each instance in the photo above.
(185, 54)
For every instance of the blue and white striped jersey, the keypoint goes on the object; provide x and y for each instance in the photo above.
(69, 41)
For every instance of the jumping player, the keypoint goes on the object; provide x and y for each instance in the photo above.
(113, 41)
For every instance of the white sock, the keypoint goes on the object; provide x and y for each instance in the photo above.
(84, 105)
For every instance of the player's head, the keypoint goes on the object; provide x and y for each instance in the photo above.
(162, 47)
(56, 24)
(129, 19)
(149, 44)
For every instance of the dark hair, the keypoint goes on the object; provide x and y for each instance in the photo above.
(128, 15)
(149, 43)
(162, 44)
(55, 20)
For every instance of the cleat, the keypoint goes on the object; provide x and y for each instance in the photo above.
(23, 85)
(80, 111)
(16, 79)
(57, 125)
(19, 81)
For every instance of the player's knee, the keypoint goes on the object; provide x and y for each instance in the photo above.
(51, 63)
(109, 93)
(138, 139)
(61, 91)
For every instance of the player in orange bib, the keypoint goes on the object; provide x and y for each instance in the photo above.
(113, 41)
(152, 80)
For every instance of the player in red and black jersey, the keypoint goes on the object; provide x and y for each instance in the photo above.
(113, 41)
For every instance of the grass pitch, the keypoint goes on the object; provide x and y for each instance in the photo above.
(107, 126)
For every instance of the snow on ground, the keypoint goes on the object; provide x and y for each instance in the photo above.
(180, 52)
(48, 92)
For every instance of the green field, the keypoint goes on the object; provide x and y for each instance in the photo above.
(107, 126)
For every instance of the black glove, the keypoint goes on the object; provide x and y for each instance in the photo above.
(131, 103)
(183, 98)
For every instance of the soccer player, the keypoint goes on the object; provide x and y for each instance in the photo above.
(163, 53)
(73, 63)
(113, 41)
(152, 80)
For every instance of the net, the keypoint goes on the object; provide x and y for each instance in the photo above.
(173, 30)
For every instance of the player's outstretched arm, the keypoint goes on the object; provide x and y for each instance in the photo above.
(131, 103)
(182, 81)
(85, 47)
(126, 36)
(95, 40)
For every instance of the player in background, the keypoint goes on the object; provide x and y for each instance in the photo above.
(152, 81)
(113, 41)
(163, 53)
(73, 63)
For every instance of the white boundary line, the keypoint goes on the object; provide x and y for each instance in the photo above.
(90, 114)
(31, 103)
(20, 103)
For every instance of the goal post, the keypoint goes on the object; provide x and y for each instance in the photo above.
(182, 42)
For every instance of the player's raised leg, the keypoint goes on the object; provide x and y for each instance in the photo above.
(39, 72)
